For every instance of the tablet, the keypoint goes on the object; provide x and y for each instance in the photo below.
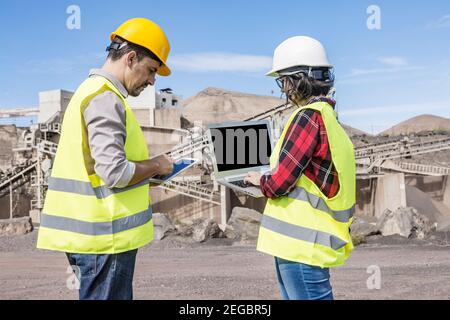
(178, 167)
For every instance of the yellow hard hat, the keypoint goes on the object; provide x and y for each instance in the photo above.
(149, 35)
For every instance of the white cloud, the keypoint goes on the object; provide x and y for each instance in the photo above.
(220, 62)
(393, 61)
(442, 22)
(382, 110)
(58, 66)
(355, 73)
(377, 119)
(393, 65)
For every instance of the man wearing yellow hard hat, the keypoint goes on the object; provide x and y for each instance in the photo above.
(97, 208)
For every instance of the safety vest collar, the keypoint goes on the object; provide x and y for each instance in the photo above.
(112, 79)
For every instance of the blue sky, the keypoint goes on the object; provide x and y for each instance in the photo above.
(383, 76)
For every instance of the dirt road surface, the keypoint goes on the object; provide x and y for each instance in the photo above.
(219, 269)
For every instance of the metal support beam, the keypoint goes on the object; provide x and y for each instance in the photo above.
(224, 205)
(10, 201)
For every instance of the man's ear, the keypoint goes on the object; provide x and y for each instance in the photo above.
(131, 58)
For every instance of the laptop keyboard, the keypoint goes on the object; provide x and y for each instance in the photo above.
(240, 183)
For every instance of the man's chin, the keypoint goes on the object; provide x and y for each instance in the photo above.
(136, 92)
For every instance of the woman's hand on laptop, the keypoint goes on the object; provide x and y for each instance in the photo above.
(253, 178)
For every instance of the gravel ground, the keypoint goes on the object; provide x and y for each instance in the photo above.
(219, 269)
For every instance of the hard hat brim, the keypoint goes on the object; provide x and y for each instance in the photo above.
(272, 73)
(164, 70)
(277, 73)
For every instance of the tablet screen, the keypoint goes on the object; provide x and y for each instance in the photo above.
(178, 166)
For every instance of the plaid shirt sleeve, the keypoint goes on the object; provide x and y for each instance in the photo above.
(298, 147)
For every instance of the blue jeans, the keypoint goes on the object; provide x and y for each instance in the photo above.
(300, 281)
(105, 276)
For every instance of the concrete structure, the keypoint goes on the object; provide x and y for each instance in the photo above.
(365, 196)
(390, 193)
(154, 117)
(446, 198)
(156, 109)
(161, 139)
(145, 100)
(143, 106)
(52, 103)
(144, 115)
(166, 99)
(167, 118)
(150, 108)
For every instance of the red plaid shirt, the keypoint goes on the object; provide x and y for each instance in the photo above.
(305, 151)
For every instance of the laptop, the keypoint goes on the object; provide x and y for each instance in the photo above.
(238, 148)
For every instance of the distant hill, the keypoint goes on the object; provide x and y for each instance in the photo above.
(418, 124)
(215, 105)
(353, 132)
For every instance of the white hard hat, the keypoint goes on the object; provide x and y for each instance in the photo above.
(299, 51)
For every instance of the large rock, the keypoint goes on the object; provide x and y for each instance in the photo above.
(243, 224)
(362, 228)
(422, 226)
(205, 229)
(184, 229)
(443, 226)
(406, 222)
(16, 226)
(161, 226)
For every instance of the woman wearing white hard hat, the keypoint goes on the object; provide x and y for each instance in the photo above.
(311, 187)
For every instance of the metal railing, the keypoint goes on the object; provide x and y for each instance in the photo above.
(370, 157)
(193, 190)
(46, 146)
(423, 169)
(16, 178)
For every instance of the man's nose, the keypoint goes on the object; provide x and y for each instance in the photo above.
(151, 80)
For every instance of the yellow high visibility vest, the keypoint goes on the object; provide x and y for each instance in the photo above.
(80, 214)
(305, 226)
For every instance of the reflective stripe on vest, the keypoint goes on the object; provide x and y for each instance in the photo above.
(301, 233)
(85, 188)
(319, 204)
(96, 228)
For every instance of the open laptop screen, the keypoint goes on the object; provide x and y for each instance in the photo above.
(241, 146)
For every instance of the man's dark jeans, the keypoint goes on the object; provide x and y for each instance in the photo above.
(105, 276)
